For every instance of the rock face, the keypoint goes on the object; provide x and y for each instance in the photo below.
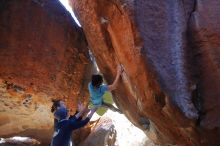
(43, 55)
(205, 31)
(103, 134)
(169, 51)
(170, 54)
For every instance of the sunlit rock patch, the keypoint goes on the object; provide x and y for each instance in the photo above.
(19, 141)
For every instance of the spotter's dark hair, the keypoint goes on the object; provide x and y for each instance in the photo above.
(56, 104)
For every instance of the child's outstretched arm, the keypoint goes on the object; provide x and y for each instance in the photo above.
(114, 84)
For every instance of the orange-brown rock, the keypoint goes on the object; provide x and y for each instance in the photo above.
(43, 55)
(170, 54)
(103, 133)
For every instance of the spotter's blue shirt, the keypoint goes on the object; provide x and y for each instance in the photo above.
(96, 94)
(64, 129)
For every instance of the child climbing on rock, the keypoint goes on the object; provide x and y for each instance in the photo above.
(97, 90)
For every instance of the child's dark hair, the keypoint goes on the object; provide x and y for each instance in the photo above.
(56, 103)
(96, 80)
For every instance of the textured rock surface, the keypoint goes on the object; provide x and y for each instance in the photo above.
(103, 134)
(169, 51)
(171, 66)
(43, 55)
(205, 27)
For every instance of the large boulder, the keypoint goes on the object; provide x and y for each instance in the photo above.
(103, 133)
(170, 54)
(43, 55)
